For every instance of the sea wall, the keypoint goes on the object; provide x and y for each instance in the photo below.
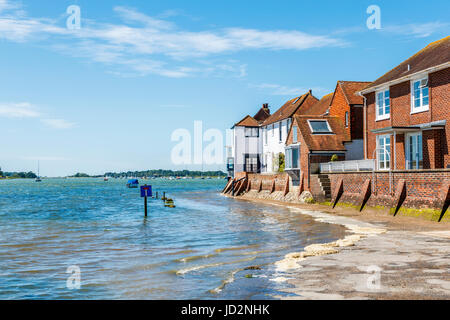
(421, 193)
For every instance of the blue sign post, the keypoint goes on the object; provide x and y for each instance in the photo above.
(146, 191)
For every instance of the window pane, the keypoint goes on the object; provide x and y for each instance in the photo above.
(416, 94)
(425, 92)
(417, 103)
(416, 85)
(295, 158)
(319, 126)
(425, 101)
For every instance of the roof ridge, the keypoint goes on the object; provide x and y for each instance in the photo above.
(428, 47)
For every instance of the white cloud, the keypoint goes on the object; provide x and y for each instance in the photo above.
(28, 110)
(18, 110)
(58, 123)
(279, 90)
(7, 5)
(417, 30)
(147, 45)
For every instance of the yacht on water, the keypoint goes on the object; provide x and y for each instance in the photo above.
(38, 178)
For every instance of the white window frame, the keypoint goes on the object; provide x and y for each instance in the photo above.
(408, 150)
(346, 119)
(387, 156)
(422, 107)
(294, 133)
(385, 115)
(253, 131)
(317, 133)
(288, 156)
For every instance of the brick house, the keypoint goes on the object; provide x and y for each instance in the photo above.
(407, 112)
(313, 139)
(348, 106)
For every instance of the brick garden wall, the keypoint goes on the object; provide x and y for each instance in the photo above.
(423, 187)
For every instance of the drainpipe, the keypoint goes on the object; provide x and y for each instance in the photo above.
(309, 171)
(364, 124)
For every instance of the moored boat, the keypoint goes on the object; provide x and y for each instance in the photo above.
(133, 183)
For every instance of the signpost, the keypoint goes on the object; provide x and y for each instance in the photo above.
(146, 191)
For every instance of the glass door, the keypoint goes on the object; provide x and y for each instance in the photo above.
(414, 153)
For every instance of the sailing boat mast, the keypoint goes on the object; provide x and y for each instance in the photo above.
(38, 178)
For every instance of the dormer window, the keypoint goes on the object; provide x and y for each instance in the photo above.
(319, 127)
(383, 105)
(420, 95)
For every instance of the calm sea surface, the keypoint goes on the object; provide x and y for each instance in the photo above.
(199, 250)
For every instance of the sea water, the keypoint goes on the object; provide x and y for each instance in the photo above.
(208, 247)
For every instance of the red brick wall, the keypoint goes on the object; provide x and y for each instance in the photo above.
(339, 107)
(436, 153)
(439, 83)
(422, 187)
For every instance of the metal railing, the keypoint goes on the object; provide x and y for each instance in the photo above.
(352, 165)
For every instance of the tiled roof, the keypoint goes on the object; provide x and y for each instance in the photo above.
(435, 54)
(323, 142)
(262, 114)
(290, 108)
(248, 121)
(319, 108)
(351, 88)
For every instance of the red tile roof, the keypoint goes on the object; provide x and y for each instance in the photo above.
(248, 121)
(350, 90)
(319, 108)
(290, 108)
(435, 54)
(262, 114)
(323, 142)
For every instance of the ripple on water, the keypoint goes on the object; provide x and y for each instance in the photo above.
(195, 251)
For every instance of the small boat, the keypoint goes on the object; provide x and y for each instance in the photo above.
(38, 178)
(133, 183)
(105, 179)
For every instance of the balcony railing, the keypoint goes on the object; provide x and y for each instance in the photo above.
(342, 166)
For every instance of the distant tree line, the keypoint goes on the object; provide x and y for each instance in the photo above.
(165, 173)
(18, 175)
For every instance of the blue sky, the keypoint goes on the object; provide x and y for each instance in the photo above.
(107, 97)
